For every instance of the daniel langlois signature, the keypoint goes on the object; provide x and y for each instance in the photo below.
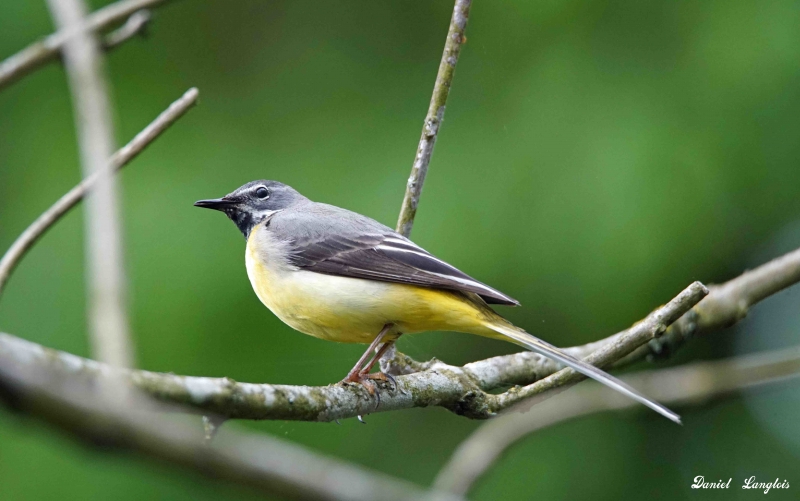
(748, 483)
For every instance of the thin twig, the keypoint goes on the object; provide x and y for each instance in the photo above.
(135, 25)
(108, 318)
(49, 48)
(653, 326)
(70, 402)
(120, 159)
(690, 384)
(725, 305)
(454, 388)
(433, 120)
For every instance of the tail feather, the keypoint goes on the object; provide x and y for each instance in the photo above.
(522, 338)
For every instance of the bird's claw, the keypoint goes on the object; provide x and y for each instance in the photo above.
(367, 380)
(391, 380)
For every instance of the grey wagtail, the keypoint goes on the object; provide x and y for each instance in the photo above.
(341, 276)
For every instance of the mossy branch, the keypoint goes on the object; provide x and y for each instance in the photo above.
(460, 389)
(463, 390)
(67, 400)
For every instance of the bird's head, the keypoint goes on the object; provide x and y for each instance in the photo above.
(250, 204)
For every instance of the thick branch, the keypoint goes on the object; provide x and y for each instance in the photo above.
(70, 402)
(433, 120)
(691, 384)
(455, 388)
(49, 48)
(460, 389)
(120, 159)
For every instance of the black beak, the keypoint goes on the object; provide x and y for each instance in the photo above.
(215, 203)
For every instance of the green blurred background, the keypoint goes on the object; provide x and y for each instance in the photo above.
(596, 157)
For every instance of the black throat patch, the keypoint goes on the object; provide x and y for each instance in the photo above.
(243, 220)
(246, 221)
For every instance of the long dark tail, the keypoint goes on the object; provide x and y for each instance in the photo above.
(522, 338)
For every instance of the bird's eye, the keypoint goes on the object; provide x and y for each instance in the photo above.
(262, 192)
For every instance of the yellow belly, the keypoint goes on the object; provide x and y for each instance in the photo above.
(352, 310)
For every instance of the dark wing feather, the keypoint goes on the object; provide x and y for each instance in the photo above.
(339, 242)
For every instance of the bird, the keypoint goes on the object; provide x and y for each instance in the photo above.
(341, 276)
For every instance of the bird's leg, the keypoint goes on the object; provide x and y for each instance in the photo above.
(360, 373)
(366, 367)
(378, 354)
(352, 376)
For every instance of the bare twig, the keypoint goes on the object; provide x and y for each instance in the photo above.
(70, 403)
(725, 305)
(433, 120)
(455, 388)
(121, 158)
(49, 48)
(690, 384)
(135, 25)
(108, 320)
